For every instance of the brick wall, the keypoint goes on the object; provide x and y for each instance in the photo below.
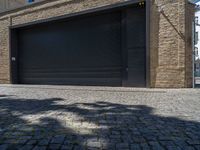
(171, 43)
(167, 36)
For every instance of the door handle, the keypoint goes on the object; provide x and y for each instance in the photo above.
(13, 58)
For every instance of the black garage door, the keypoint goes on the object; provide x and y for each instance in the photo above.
(99, 49)
(83, 51)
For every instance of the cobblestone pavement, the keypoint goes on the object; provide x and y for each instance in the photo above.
(67, 117)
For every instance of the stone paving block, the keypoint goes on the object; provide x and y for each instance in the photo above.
(14, 146)
(54, 146)
(58, 139)
(11, 141)
(150, 137)
(164, 138)
(40, 148)
(67, 142)
(197, 147)
(44, 142)
(3, 147)
(94, 144)
(193, 142)
(78, 147)
(108, 146)
(32, 142)
(115, 132)
(127, 138)
(188, 148)
(115, 140)
(135, 147)
(26, 147)
(22, 141)
(94, 139)
(138, 139)
(156, 146)
(115, 136)
(26, 137)
(167, 143)
(173, 148)
(67, 147)
(121, 146)
(145, 146)
(38, 137)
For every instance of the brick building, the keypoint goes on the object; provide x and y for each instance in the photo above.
(10, 4)
(132, 43)
(197, 68)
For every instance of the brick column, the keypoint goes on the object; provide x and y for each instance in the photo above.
(168, 40)
(4, 51)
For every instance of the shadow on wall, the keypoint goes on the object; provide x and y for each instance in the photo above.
(52, 122)
(154, 41)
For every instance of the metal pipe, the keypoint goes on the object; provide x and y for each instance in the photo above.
(193, 51)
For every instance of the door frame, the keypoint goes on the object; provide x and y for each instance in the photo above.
(13, 35)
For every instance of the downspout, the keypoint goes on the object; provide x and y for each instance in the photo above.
(193, 52)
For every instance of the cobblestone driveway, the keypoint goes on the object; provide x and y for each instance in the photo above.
(52, 117)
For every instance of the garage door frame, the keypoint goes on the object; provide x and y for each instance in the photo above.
(13, 33)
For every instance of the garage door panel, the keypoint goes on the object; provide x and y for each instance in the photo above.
(136, 78)
(78, 51)
(83, 74)
(73, 81)
(136, 27)
(136, 57)
(136, 47)
(98, 44)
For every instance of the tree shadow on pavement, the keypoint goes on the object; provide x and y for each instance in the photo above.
(55, 124)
